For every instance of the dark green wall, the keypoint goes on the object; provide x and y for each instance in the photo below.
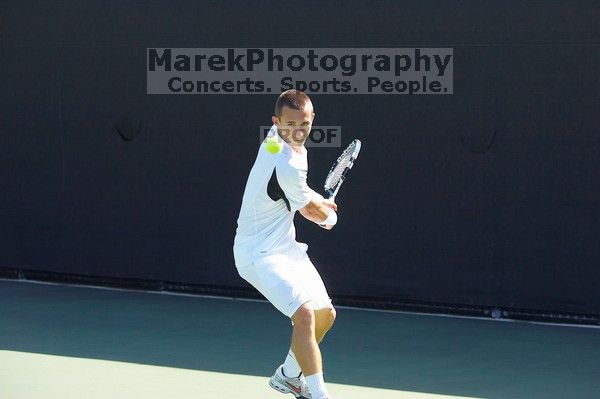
(488, 196)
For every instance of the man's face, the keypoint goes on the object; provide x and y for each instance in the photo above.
(294, 125)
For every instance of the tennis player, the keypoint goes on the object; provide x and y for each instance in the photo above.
(268, 256)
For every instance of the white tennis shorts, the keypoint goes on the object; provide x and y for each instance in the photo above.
(287, 281)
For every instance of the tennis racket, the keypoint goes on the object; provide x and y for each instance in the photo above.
(340, 169)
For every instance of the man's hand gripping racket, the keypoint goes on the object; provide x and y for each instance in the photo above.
(338, 172)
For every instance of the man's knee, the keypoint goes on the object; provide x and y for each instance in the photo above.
(304, 317)
(326, 317)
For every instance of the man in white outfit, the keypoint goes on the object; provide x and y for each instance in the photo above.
(268, 256)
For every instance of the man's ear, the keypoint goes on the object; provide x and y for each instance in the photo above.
(275, 120)
(313, 118)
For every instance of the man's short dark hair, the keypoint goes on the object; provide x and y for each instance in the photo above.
(294, 99)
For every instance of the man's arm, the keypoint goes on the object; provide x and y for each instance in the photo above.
(319, 210)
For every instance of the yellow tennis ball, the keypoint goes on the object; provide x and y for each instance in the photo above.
(273, 145)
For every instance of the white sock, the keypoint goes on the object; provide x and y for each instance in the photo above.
(291, 368)
(316, 384)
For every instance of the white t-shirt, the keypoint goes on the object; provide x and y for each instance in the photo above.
(275, 190)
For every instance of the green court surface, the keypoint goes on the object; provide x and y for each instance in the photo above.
(80, 342)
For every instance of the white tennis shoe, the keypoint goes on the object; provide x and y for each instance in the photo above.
(295, 386)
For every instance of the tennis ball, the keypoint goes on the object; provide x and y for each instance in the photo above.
(273, 145)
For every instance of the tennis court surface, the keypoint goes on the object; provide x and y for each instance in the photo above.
(60, 341)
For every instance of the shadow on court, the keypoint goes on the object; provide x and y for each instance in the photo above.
(463, 357)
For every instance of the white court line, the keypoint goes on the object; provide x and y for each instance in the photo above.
(183, 294)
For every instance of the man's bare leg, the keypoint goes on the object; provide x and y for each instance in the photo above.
(324, 319)
(304, 343)
(309, 329)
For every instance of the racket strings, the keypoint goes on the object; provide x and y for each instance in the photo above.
(337, 172)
